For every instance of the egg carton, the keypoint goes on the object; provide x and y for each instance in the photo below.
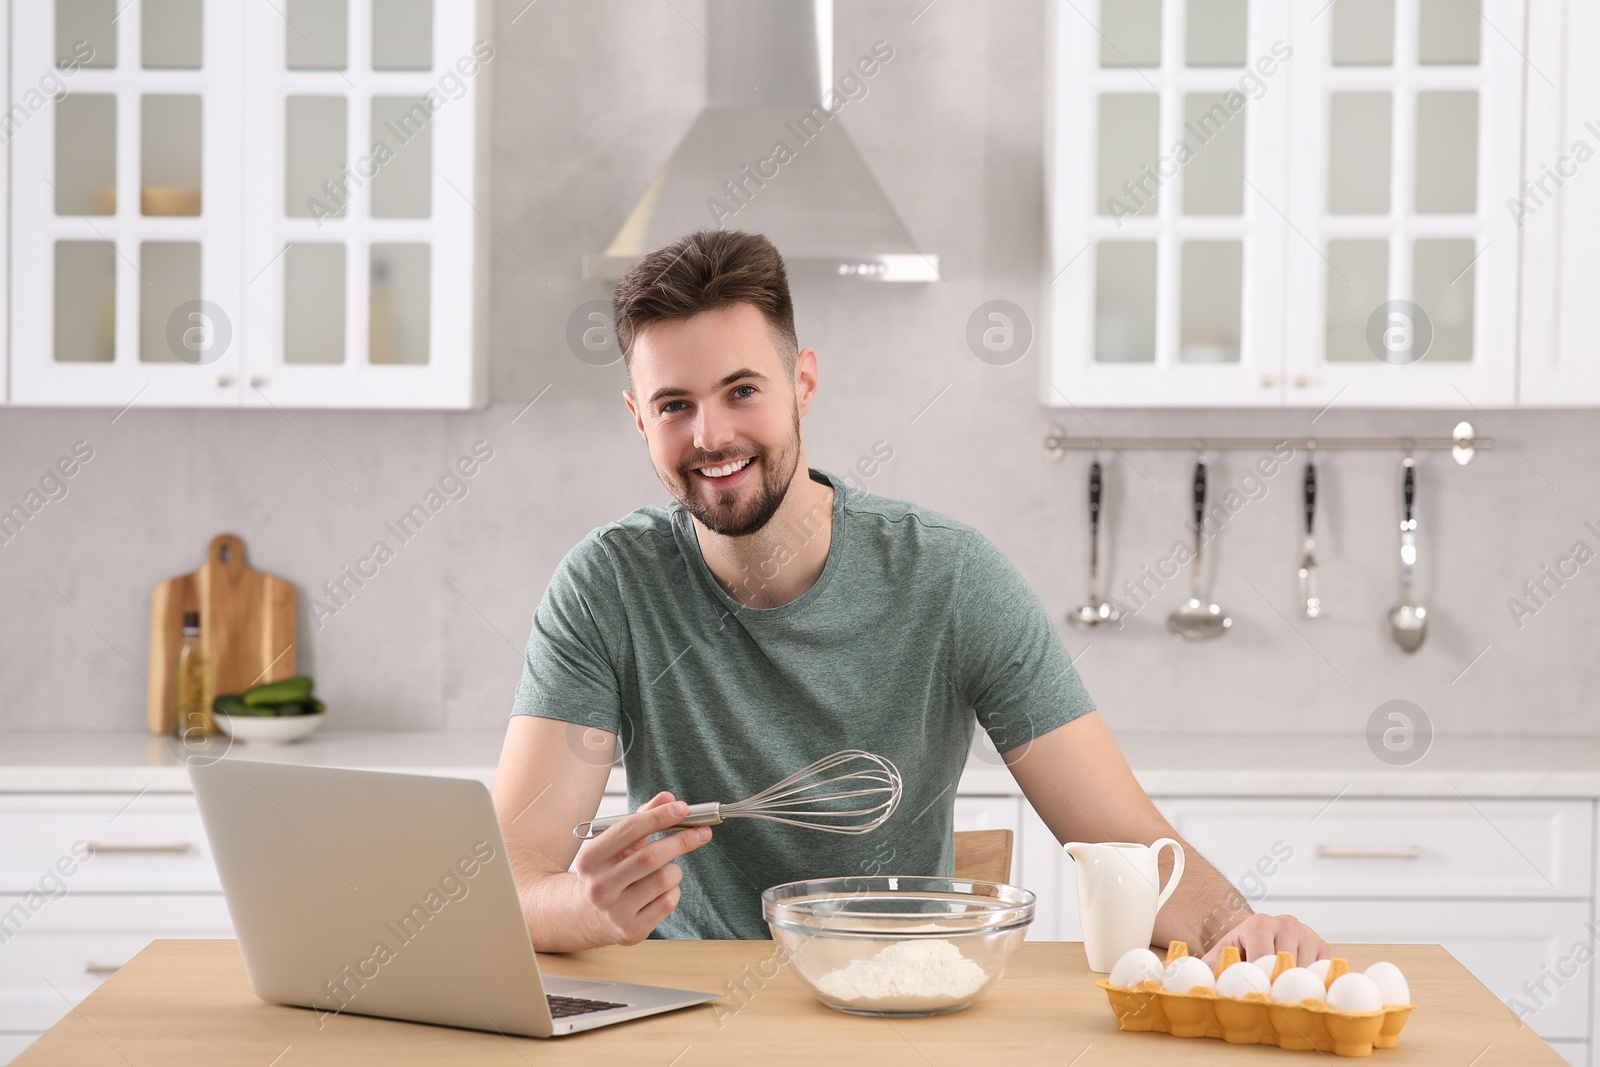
(1254, 1019)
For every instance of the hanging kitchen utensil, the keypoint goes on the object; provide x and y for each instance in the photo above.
(1408, 621)
(1197, 619)
(868, 775)
(1310, 603)
(1096, 612)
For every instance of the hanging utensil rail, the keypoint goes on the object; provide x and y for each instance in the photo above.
(1463, 443)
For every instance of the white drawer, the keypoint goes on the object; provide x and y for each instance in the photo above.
(1503, 943)
(78, 941)
(150, 842)
(1393, 847)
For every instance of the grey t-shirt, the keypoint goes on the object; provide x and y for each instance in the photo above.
(917, 629)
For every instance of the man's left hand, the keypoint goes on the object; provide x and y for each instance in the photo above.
(1267, 935)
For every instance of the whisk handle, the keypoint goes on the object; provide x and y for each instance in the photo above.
(707, 814)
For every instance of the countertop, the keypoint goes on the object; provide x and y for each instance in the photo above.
(187, 1002)
(1298, 765)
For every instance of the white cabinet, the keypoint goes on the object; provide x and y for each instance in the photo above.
(1371, 848)
(86, 881)
(1506, 885)
(105, 843)
(1293, 203)
(1405, 149)
(75, 943)
(1503, 945)
(261, 205)
(1166, 235)
(1558, 209)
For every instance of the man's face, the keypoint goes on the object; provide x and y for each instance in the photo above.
(719, 414)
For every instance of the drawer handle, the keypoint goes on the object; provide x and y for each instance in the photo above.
(93, 967)
(1339, 852)
(97, 847)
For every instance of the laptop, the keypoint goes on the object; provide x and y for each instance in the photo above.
(391, 895)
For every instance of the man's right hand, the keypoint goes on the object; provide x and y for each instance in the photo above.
(631, 881)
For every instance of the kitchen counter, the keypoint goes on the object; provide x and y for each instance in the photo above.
(187, 1002)
(1298, 765)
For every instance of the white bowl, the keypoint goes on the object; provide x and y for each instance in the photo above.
(269, 729)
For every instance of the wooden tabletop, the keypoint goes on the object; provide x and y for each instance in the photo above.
(187, 1002)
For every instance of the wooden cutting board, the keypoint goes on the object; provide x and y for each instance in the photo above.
(247, 627)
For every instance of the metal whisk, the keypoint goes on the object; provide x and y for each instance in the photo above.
(856, 773)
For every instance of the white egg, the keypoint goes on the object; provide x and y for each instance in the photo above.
(1297, 984)
(1186, 972)
(1320, 969)
(1267, 964)
(1355, 993)
(1135, 966)
(1390, 982)
(1240, 979)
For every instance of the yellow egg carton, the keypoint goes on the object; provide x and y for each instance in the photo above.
(1254, 1019)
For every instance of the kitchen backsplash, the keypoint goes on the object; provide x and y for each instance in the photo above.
(431, 634)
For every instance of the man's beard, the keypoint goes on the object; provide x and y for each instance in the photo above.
(727, 517)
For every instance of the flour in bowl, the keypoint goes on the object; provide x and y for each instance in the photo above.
(907, 975)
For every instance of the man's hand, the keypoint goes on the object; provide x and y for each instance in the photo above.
(630, 881)
(1267, 935)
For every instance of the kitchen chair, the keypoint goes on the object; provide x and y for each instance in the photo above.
(983, 855)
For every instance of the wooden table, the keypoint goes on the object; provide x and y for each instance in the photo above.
(187, 1002)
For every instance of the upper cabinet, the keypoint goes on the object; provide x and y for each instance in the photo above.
(1299, 203)
(1557, 208)
(263, 204)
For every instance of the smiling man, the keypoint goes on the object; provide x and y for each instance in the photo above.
(772, 615)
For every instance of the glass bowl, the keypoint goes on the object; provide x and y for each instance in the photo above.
(893, 945)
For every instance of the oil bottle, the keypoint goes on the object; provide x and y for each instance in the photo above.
(192, 699)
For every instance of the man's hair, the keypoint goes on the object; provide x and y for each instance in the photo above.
(706, 271)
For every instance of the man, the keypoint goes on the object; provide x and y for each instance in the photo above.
(768, 617)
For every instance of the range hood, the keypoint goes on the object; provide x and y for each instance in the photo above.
(767, 157)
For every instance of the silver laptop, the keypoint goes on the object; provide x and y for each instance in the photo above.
(390, 895)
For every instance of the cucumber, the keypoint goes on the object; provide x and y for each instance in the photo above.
(305, 707)
(296, 690)
(234, 704)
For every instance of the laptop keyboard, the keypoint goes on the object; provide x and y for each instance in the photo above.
(562, 1007)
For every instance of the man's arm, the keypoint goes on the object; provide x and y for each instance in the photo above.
(624, 884)
(1076, 778)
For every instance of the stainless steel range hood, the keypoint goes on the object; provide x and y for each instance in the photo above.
(766, 156)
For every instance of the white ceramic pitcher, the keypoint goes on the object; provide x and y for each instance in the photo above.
(1118, 895)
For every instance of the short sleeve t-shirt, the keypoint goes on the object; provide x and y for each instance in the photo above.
(917, 630)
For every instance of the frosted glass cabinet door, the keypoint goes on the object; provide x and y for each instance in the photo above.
(125, 145)
(1165, 278)
(363, 237)
(1402, 279)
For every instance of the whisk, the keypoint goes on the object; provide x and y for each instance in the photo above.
(856, 773)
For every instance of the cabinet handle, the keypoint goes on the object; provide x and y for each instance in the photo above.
(1268, 381)
(1300, 381)
(97, 847)
(1340, 852)
(257, 381)
(224, 381)
(94, 967)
